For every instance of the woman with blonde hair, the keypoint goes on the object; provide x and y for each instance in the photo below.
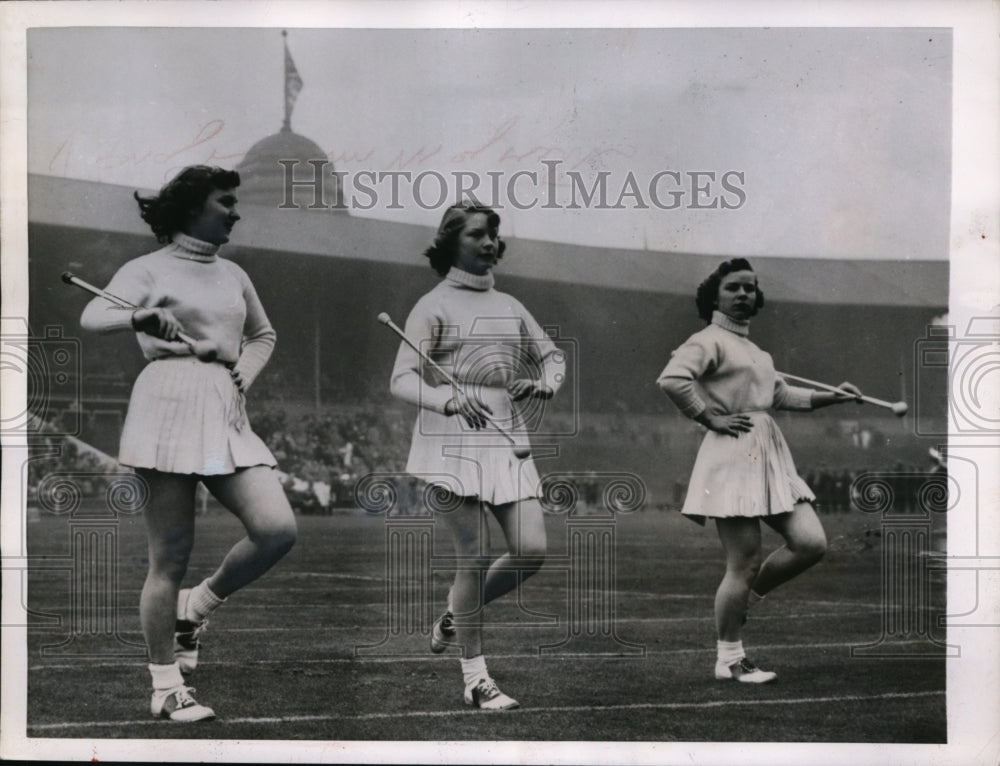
(489, 342)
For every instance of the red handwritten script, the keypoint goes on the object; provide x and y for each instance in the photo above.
(210, 144)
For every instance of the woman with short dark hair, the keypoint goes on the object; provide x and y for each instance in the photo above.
(744, 472)
(186, 420)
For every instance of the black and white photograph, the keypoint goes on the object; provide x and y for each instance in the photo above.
(449, 382)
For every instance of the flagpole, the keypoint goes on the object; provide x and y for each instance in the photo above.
(287, 125)
(293, 84)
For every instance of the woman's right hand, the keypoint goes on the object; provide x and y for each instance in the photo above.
(476, 413)
(729, 425)
(158, 322)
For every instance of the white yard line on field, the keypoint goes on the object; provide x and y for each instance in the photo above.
(86, 664)
(665, 706)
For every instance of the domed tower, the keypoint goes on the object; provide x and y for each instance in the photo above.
(268, 169)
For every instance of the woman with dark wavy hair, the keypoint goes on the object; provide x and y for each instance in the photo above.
(186, 421)
(744, 473)
(499, 354)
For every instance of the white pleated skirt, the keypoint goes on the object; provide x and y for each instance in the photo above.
(187, 416)
(446, 452)
(749, 475)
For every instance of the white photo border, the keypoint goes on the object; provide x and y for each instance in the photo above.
(973, 705)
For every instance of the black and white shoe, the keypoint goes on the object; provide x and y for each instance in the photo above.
(187, 643)
(743, 671)
(485, 695)
(443, 632)
(178, 705)
(186, 635)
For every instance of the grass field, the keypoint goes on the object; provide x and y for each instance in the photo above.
(281, 659)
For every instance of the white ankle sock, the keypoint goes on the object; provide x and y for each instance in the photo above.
(474, 669)
(730, 651)
(166, 676)
(201, 603)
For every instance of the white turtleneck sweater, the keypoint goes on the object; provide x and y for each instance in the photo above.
(478, 334)
(720, 367)
(212, 298)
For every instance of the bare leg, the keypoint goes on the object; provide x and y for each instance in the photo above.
(805, 545)
(471, 538)
(523, 526)
(169, 520)
(740, 538)
(254, 495)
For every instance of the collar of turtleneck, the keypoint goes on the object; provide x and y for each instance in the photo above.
(481, 282)
(194, 249)
(738, 326)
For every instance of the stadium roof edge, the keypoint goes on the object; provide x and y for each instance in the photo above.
(107, 207)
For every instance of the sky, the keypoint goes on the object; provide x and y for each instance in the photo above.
(781, 142)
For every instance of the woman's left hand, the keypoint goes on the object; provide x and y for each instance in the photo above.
(522, 388)
(237, 379)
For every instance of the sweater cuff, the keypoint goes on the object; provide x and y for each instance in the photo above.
(683, 394)
(797, 398)
(435, 397)
(554, 375)
(693, 409)
(118, 319)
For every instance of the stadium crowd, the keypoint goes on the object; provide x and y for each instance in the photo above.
(322, 456)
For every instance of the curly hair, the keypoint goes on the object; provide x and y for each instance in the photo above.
(707, 296)
(442, 251)
(169, 211)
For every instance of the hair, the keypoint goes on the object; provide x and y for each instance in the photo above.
(169, 211)
(707, 296)
(442, 251)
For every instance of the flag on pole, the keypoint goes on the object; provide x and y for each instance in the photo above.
(293, 84)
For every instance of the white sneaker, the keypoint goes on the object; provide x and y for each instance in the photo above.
(485, 695)
(177, 704)
(743, 671)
